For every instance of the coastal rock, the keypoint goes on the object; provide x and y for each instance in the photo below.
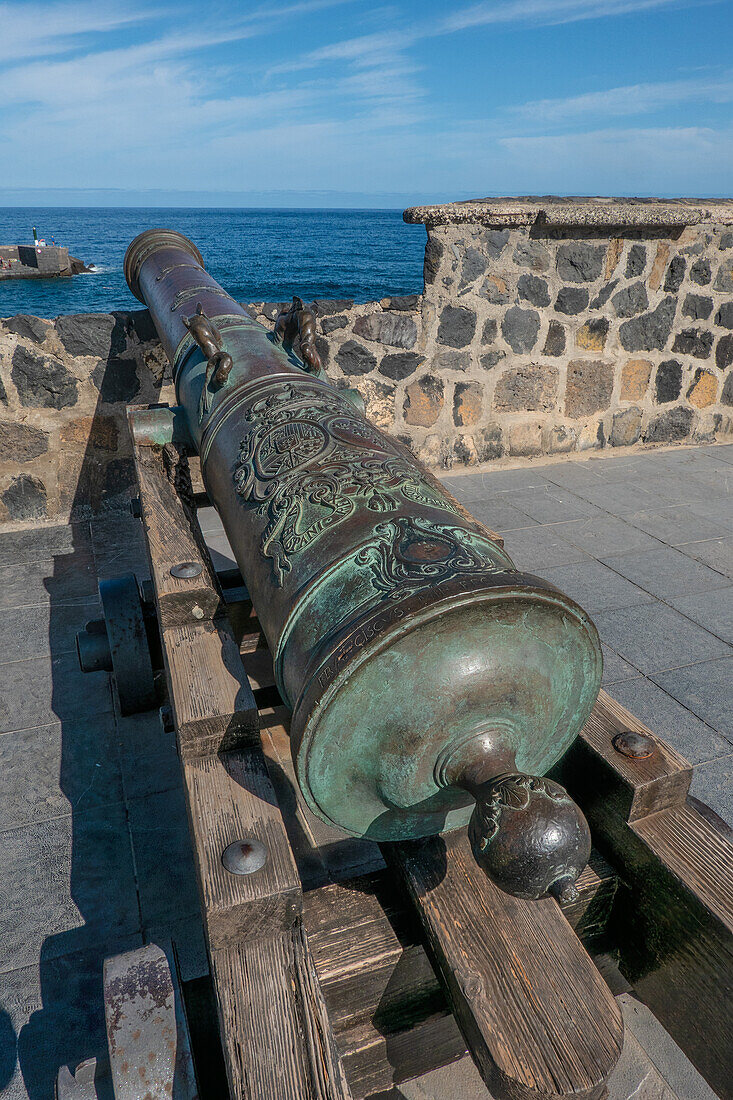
(116, 380)
(650, 330)
(354, 358)
(400, 364)
(533, 289)
(25, 498)
(631, 300)
(99, 334)
(520, 328)
(625, 427)
(457, 326)
(635, 261)
(668, 382)
(42, 381)
(571, 300)
(697, 306)
(555, 339)
(397, 330)
(580, 262)
(78, 267)
(671, 427)
(694, 341)
(588, 387)
(528, 389)
(21, 442)
(27, 326)
(423, 401)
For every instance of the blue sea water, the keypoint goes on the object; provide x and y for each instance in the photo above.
(257, 255)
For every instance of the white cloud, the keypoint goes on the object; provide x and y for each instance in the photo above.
(631, 99)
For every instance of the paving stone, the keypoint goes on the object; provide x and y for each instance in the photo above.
(490, 482)
(669, 719)
(119, 546)
(620, 498)
(654, 637)
(712, 610)
(706, 689)
(500, 515)
(163, 857)
(187, 936)
(65, 578)
(615, 668)
(712, 783)
(220, 550)
(38, 543)
(665, 572)
(717, 553)
(209, 520)
(537, 549)
(677, 525)
(572, 475)
(68, 883)
(46, 690)
(596, 587)
(600, 536)
(676, 1069)
(550, 503)
(51, 770)
(38, 631)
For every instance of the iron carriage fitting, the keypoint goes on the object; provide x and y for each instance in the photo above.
(431, 682)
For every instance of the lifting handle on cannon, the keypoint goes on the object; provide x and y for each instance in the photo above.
(429, 678)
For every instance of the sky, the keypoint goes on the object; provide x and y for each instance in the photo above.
(356, 103)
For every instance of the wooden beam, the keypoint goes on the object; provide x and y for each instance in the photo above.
(537, 1017)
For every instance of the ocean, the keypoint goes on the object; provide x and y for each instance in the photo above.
(256, 255)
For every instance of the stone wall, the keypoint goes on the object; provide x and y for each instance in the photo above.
(544, 327)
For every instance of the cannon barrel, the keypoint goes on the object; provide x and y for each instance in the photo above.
(431, 682)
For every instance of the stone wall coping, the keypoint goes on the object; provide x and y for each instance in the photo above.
(558, 212)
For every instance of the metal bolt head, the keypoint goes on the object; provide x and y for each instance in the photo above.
(187, 570)
(244, 856)
(635, 745)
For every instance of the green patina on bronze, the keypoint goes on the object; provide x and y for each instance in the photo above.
(420, 664)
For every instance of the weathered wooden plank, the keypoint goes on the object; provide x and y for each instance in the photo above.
(173, 536)
(212, 701)
(277, 1038)
(537, 1016)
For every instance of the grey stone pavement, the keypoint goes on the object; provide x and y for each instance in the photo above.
(94, 850)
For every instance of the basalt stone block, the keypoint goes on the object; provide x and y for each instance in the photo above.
(526, 389)
(701, 271)
(697, 306)
(474, 265)
(726, 397)
(625, 427)
(270, 310)
(571, 300)
(116, 380)
(635, 261)
(457, 326)
(580, 262)
(402, 302)
(724, 352)
(434, 250)
(42, 381)
(724, 316)
(495, 241)
(675, 274)
(489, 444)
(400, 364)
(588, 387)
(635, 379)
(25, 498)
(354, 358)
(726, 241)
(27, 326)
(467, 400)
(532, 254)
(98, 334)
(604, 294)
(703, 389)
(668, 382)
(490, 358)
(670, 427)
(3, 393)
(326, 307)
(694, 341)
(100, 433)
(555, 339)
(139, 323)
(649, 330)
(724, 278)
(490, 330)
(592, 335)
(524, 438)
(397, 330)
(495, 290)
(119, 479)
(21, 442)
(631, 300)
(533, 289)
(451, 360)
(423, 401)
(520, 328)
(331, 324)
(323, 348)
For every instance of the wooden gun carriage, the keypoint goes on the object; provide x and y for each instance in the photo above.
(340, 966)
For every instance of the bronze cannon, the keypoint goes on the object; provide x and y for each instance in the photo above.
(431, 682)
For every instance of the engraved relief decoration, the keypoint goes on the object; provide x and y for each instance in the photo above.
(308, 464)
